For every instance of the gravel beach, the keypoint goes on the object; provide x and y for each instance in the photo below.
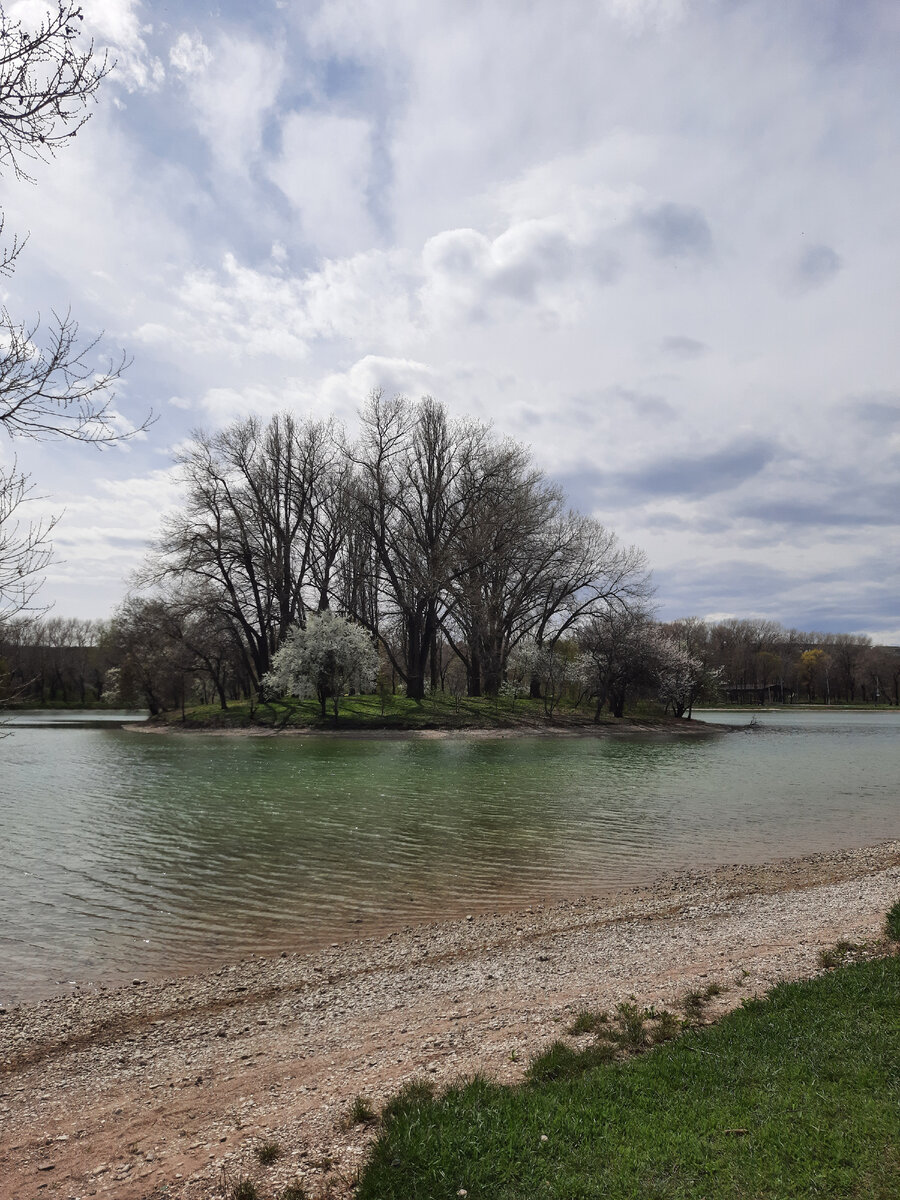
(167, 1089)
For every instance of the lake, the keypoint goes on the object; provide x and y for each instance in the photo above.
(132, 855)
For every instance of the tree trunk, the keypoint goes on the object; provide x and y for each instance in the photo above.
(434, 656)
(474, 674)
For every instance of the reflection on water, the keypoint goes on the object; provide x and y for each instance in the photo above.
(124, 853)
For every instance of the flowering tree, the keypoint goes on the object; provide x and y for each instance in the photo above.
(683, 678)
(324, 659)
(556, 666)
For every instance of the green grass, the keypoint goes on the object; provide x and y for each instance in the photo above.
(23, 703)
(892, 924)
(400, 713)
(793, 1096)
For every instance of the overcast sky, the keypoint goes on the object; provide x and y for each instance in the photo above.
(657, 240)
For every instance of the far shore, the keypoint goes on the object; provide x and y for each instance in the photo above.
(166, 1088)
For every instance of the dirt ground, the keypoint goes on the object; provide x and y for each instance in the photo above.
(169, 1089)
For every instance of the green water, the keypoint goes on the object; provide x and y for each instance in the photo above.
(124, 854)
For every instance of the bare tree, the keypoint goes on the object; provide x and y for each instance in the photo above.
(207, 639)
(254, 530)
(54, 389)
(530, 567)
(25, 549)
(503, 548)
(620, 653)
(49, 386)
(413, 493)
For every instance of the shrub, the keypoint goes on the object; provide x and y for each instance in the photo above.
(244, 1189)
(361, 1112)
(665, 1028)
(587, 1021)
(632, 1025)
(841, 954)
(267, 1153)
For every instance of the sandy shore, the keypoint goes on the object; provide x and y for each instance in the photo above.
(164, 1090)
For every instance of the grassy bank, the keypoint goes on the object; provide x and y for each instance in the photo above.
(400, 713)
(793, 1096)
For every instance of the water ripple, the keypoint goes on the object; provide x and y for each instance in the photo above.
(124, 853)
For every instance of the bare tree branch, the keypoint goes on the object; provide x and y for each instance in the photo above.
(53, 389)
(25, 549)
(48, 76)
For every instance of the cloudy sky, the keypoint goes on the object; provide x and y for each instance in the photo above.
(657, 240)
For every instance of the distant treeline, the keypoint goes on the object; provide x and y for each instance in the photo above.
(149, 656)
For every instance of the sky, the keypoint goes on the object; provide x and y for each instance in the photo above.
(655, 240)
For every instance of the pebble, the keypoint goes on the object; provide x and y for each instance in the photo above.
(317, 1030)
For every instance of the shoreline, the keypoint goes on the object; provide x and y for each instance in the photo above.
(120, 1092)
(627, 728)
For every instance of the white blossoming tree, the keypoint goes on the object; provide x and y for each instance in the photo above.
(682, 677)
(327, 658)
(557, 666)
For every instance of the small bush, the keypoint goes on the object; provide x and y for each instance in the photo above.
(892, 925)
(841, 954)
(694, 1004)
(666, 1026)
(267, 1153)
(244, 1189)
(587, 1021)
(632, 1025)
(293, 1191)
(361, 1112)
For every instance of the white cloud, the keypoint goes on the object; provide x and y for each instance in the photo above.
(587, 222)
(325, 170)
(343, 392)
(232, 87)
(101, 537)
(189, 54)
(118, 24)
(332, 393)
(239, 310)
(639, 15)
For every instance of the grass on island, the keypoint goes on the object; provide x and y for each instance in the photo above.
(399, 713)
(796, 1095)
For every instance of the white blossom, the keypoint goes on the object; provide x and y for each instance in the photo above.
(327, 658)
